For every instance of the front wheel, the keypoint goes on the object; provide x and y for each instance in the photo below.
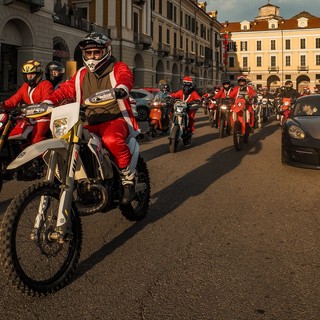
(174, 139)
(237, 136)
(222, 128)
(34, 262)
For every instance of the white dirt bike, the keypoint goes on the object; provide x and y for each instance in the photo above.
(41, 232)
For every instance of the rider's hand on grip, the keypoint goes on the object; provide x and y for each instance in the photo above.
(120, 93)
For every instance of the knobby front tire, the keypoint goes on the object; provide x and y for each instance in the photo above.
(42, 266)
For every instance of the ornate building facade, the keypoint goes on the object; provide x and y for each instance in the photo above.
(158, 39)
(271, 50)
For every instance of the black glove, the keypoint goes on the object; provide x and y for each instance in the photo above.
(120, 93)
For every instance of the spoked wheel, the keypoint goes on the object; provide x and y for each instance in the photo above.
(174, 139)
(33, 261)
(139, 206)
(237, 136)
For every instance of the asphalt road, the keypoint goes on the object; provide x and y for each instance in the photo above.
(230, 235)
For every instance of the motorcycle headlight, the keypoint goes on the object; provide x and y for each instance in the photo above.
(60, 127)
(296, 132)
(223, 107)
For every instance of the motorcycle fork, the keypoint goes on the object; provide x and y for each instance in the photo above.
(5, 133)
(67, 187)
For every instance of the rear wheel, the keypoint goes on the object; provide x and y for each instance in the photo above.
(139, 206)
(174, 139)
(237, 136)
(33, 261)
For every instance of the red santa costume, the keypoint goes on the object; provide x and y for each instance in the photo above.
(31, 95)
(115, 131)
(250, 93)
(188, 94)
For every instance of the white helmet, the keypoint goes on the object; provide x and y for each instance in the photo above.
(99, 41)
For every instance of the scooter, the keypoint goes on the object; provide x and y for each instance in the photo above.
(159, 116)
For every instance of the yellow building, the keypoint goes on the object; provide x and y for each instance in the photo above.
(270, 50)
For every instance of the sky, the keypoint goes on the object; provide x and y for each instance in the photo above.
(239, 10)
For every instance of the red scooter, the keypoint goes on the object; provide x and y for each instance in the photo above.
(159, 116)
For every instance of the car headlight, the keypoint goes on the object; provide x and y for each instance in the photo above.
(296, 132)
(60, 127)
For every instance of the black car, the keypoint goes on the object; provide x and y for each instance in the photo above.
(301, 134)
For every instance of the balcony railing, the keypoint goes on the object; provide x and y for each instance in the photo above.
(190, 57)
(245, 69)
(273, 69)
(178, 53)
(79, 23)
(199, 60)
(303, 68)
(164, 48)
(35, 5)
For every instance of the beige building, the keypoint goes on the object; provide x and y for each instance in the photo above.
(158, 39)
(271, 50)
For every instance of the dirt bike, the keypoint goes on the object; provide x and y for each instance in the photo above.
(16, 126)
(261, 110)
(205, 105)
(241, 117)
(41, 232)
(159, 116)
(179, 126)
(224, 107)
(213, 114)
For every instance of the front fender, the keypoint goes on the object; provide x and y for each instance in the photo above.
(36, 150)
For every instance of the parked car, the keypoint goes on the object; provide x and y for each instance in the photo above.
(133, 104)
(143, 99)
(154, 91)
(301, 134)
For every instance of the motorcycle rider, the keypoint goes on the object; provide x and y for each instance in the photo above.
(55, 73)
(289, 92)
(188, 93)
(34, 90)
(164, 91)
(248, 93)
(115, 123)
(224, 90)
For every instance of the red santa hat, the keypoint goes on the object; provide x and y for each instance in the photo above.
(187, 79)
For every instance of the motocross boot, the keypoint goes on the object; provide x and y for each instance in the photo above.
(128, 183)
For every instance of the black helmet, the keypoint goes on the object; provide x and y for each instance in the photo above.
(95, 40)
(225, 81)
(55, 78)
(33, 67)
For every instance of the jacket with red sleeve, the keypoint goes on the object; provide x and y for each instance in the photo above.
(191, 97)
(235, 92)
(30, 95)
(223, 93)
(120, 77)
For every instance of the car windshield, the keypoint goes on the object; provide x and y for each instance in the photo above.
(306, 108)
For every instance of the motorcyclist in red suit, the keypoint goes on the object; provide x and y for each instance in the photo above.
(224, 91)
(247, 92)
(112, 124)
(34, 90)
(188, 94)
